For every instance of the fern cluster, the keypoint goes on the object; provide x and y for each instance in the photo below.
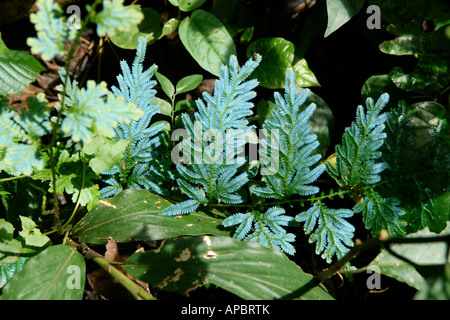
(211, 164)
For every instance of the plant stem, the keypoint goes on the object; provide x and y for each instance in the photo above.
(136, 290)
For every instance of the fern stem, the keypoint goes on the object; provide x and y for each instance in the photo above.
(12, 178)
(287, 201)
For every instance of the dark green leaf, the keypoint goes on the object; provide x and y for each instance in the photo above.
(57, 273)
(17, 70)
(207, 40)
(431, 253)
(340, 12)
(134, 215)
(247, 269)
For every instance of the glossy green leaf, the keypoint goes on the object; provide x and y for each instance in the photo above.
(409, 40)
(166, 85)
(57, 273)
(277, 55)
(340, 12)
(247, 269)
(134, 215)
(107, 152)
(149, 28)
(424, 254)
(188, 83)
(17, 70)
(430, 75)
(187, 5)
(207, 40)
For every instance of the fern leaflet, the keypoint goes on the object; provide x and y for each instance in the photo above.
(330, 231)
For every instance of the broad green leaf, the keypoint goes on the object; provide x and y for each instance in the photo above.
(187, 5)
(340, 12)
(410, 40)
(430, 75)
(424, 254)
(107, 152)
(207, 40)
(134, 215)
(57, 273)
(188, 83)
(166, 85)
(149, 28)
(17, 70)
(247, 269)
(277, 55)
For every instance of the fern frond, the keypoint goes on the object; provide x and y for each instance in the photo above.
(216, 135)
(328, 228)
(289, 137)
(93, 110)
(357, 156)
(52, 30)
(382, 213)
(20, 135)
(142, 163)
(267, 228)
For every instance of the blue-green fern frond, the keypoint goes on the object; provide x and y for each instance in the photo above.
(357, 157)
(328, 228)
(266, 228)
(290, 168)
(20, 134)
(52, 30)
(216, 134)
(141, 166)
